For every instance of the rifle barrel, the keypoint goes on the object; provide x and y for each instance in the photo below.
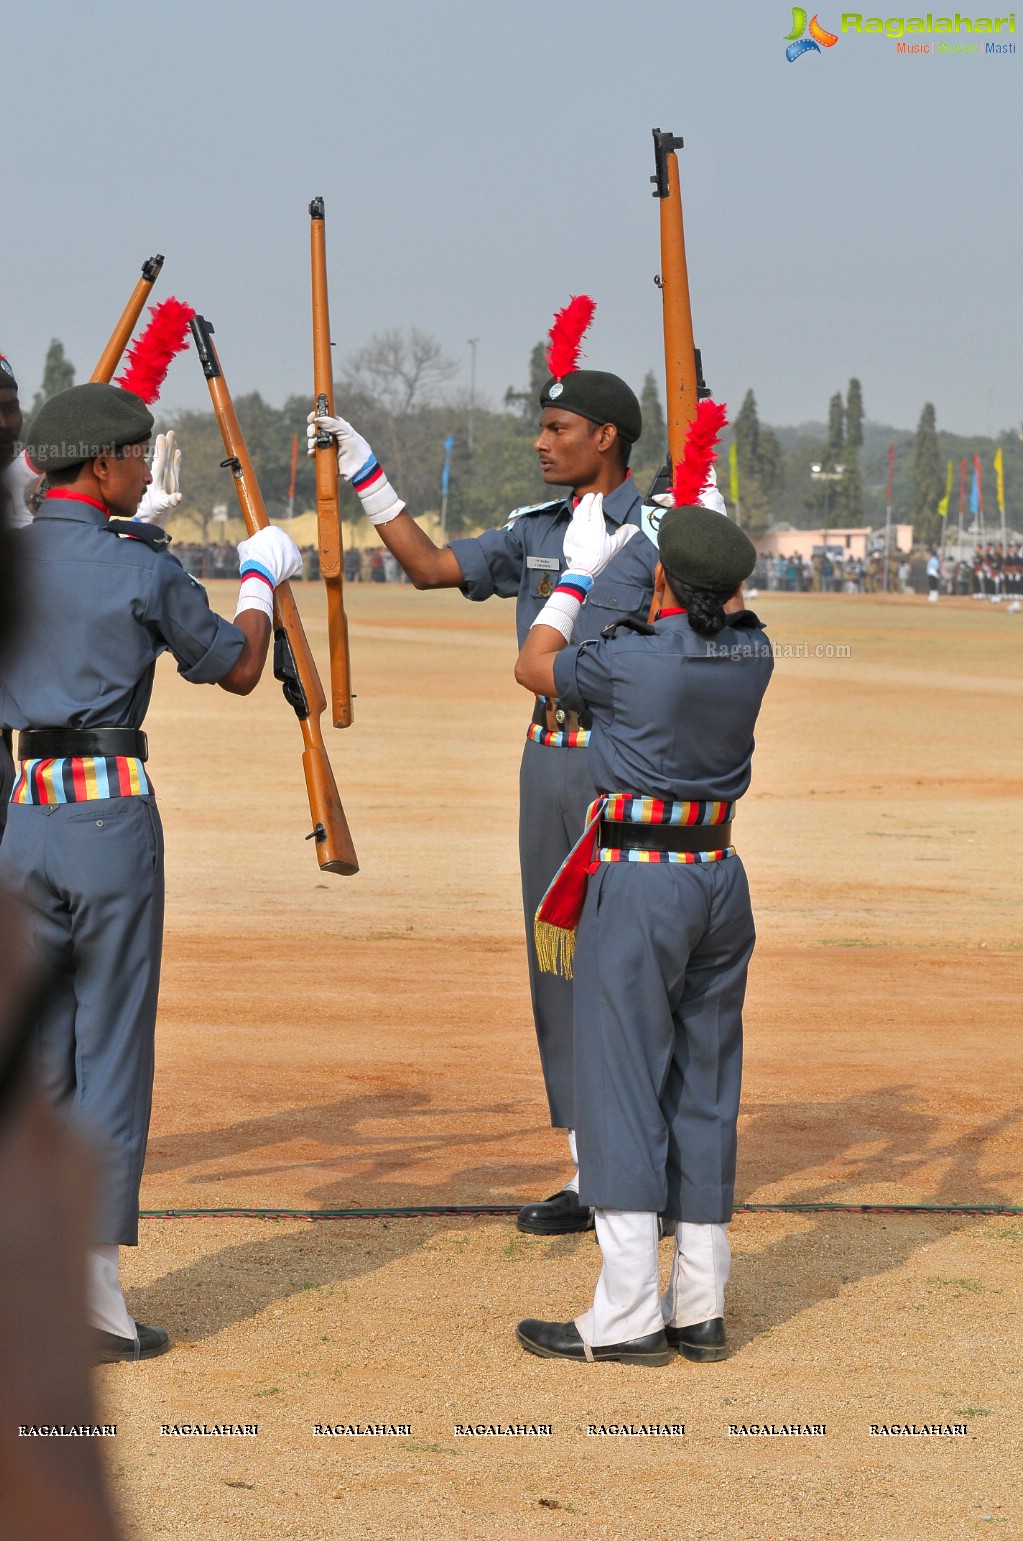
(119, 338)
(328, 514)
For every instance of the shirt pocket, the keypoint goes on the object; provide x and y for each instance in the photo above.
(615, 599)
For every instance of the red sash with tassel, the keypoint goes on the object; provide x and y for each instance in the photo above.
(561, 906)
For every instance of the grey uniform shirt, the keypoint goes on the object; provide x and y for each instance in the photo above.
(673, 712)
(95, 611)
(524, 558)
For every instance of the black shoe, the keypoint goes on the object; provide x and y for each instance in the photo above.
(703, 1342)
(560, 1215)
(108, 1348)
(561, 1340)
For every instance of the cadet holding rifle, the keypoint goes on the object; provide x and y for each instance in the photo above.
(21, 485)
(84, 845)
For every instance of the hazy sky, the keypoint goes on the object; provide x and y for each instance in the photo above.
(854, 212)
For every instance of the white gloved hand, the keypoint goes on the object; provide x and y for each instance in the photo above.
(163, 494)
(267, 559)
(709, 497)
(589, 545)
(588, 548)
(357, 464)
(22, 482)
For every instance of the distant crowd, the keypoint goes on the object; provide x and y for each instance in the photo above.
(221, 561)
(831, 574)
(995, 572)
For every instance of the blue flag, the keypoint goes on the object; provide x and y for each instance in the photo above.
(445, 475)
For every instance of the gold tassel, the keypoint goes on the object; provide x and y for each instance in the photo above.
(555, 948)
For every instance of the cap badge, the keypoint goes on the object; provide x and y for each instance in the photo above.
(555, 390)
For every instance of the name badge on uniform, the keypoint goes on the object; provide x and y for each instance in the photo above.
(550, 567)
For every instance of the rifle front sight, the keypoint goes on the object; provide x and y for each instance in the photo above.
(664, 145)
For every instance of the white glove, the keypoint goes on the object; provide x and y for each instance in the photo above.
(588, 548)
(162, 496)
(357, 464)
(267, 559)
(709, 497)
(21, 481)
(589, 545)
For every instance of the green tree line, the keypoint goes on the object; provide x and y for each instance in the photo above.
(398, 391)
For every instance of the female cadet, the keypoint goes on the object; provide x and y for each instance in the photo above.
(666, 930)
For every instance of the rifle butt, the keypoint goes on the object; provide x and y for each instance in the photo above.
(335, 850)
(340, 661)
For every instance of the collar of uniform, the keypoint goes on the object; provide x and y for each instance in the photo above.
(59, 504)
(745, 620)
(625, 499)
(618, 505)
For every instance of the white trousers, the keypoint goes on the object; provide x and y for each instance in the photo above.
(628, 1302)
(699, 1273)
(573, 1183)
(104, 1301)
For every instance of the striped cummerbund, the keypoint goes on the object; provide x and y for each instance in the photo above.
(80, 779)
(577, 739)
(625, 809)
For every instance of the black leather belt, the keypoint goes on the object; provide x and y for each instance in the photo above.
(59, 743)
(665, 837)
(557, 719)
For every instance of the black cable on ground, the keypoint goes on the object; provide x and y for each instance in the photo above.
(446, 1211)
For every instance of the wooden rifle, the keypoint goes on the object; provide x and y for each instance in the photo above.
(293, 660)
(121, 335)
(327, 508)
(683, 369)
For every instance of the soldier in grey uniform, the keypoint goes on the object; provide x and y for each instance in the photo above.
(99, 599)
(666, 931)
(589, 421)
(20, 489)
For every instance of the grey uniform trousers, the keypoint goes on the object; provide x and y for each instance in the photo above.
(91, 877)
(661, 957)
(555, 790)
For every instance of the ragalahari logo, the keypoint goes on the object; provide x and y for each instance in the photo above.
(798, 44)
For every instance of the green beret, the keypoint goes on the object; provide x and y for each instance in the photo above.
(704, 548)
(601, 397)
(88, 420)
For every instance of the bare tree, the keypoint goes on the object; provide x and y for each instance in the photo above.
(400, 370)
(394, 388)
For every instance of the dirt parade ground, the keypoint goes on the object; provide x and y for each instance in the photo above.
(330, 1043)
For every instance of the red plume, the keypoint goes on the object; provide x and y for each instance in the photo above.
(150, 354)
(698, 456)
(567, 333)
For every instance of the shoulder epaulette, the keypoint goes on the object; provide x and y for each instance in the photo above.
(628, 623)
(136, 529)
(532, 508)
